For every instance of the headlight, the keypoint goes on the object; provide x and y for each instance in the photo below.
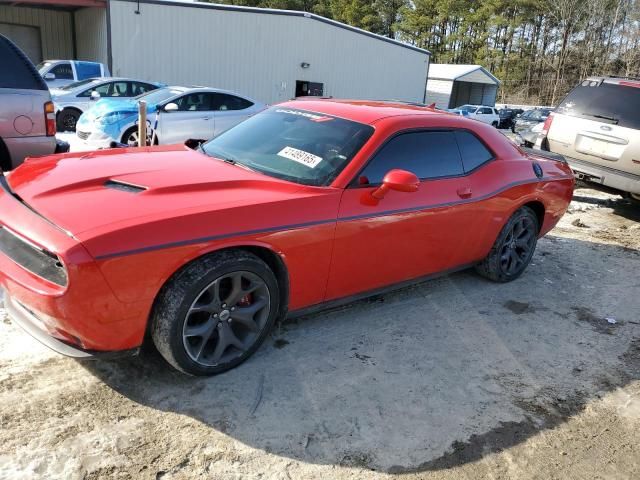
(113, 117)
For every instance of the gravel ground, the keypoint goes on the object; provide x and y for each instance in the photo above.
(452, 378)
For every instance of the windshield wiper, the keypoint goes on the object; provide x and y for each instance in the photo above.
(604, 117)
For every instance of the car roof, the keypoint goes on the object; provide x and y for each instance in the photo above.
(363, 111)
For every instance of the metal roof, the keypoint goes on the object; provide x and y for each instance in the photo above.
(273, 11)
(443, 71)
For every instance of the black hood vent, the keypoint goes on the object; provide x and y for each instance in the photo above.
(125, 187)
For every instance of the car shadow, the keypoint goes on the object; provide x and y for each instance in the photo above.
(425, 378)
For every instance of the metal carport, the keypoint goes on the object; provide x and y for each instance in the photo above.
(450, 86)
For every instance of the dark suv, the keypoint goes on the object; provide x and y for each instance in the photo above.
(27, 117)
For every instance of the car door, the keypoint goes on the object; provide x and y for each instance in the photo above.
(192, 120)
(63, 75)
(229, 110)
(405, 235)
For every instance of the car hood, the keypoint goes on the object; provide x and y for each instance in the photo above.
(104, 106)
(92, 193)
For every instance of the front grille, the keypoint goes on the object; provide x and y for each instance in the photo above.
(82, 135)
(37, 261)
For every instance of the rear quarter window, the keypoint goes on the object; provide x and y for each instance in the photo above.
(472, 150)
(607, 102)
(17, 71)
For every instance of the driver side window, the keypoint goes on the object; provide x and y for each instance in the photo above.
(103, 90)
(194, 102)
(428, 154)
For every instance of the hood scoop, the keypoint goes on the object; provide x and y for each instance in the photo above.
(123, 186)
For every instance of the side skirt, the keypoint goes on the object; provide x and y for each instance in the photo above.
(369, 293)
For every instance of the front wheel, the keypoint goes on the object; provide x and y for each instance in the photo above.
(67, 119)
(513, 249)
(215, 313)
(130, 138)
(494, 124)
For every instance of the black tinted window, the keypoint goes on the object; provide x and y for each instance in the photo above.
(224, 102)
(62, 71)
(194, 102)
(608, 103)
(473, 151)
(427, 154)
(17, 71)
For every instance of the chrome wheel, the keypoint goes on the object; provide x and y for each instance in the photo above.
(518, 245)
(226, 318)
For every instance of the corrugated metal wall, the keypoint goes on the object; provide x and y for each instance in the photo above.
(259, 54)
(439, 92)
(91, 34)
(55, 28)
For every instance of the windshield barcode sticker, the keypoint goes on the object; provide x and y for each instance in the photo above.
(300, 156)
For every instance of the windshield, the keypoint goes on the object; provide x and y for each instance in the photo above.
(156, 96)
(294, 145)
(468, 108)
(73, 85)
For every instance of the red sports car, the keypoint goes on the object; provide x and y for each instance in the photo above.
(307, 204)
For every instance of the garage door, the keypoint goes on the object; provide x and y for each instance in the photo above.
(27, 38)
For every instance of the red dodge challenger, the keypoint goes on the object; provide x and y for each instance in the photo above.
(307, 204)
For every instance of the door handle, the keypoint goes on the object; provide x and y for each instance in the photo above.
(465, 192)
(207, 118)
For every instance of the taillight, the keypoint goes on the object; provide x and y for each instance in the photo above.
(50, 119)
(547, 124)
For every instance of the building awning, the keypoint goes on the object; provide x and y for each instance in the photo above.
(462, 73)
(63, 4)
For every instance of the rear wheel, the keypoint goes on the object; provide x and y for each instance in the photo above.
(513, 249)
(215, 313)
(494, 124)
(67, 119)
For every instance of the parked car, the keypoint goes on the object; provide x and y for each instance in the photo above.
(462, 113)
(530, 118)
(482, 113)
(59, 73)
(182, 113)
(72, 100)
(597, 128)
(301, 206)
(508, 116)
(27, 120)
(529, 138)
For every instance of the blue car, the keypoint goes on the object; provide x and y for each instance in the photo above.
(176, 113)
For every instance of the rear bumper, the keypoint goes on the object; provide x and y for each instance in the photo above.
(624, 181)
(22, 147)
(30, 323)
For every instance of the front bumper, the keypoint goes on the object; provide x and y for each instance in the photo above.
(30, 323)
(94, 139)
(84, 313)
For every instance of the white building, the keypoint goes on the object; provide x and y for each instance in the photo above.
(450, 86)
(270, 55)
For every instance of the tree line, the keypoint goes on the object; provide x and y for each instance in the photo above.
(539, 49)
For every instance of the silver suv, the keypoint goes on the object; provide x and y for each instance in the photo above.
(27, 117)
(597, 129)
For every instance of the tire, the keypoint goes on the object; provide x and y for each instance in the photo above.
(5, 158)
(130, 137)
(194, 328)
(494, 124)
(67, 119)
(509, 256)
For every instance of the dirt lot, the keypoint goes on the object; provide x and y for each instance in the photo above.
(452, 378)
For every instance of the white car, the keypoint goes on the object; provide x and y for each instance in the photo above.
(174, 115)
(482, 113)
(74, 99)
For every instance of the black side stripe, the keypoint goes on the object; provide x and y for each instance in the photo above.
(316, 222)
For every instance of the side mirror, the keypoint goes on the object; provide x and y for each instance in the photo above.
(398, 180)
(49, 76)
(518, 115)
(170, 107)
(95, 95)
